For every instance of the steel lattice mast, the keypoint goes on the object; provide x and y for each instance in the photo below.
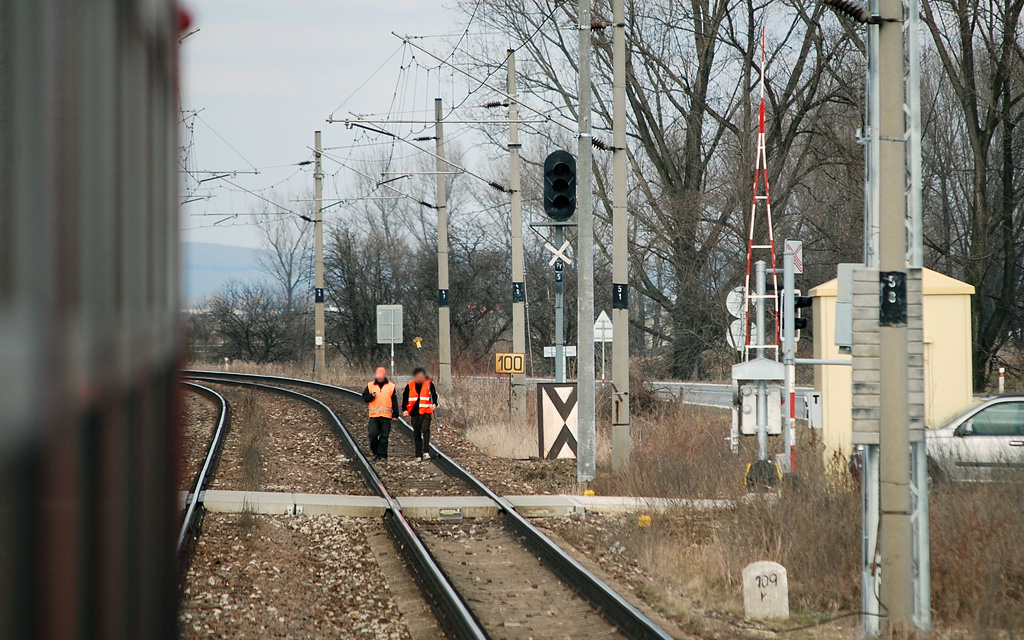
(761, 182)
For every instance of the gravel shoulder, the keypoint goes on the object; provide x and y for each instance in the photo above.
(506, 476)
(298, 452)
(198, 420)
(287, 577)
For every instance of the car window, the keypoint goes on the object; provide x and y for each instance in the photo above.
(1003, 419)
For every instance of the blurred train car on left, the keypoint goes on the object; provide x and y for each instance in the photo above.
(89, 340)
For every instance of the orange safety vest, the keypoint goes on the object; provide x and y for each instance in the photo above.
(380, 406)
(421, 396)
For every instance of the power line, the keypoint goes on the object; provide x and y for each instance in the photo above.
(368, 78)
(485, 83)
(224, 140)
(493, 184)
(378, 184)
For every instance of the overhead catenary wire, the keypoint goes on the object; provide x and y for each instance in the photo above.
(495, 69)
(368, 78)
(265, 199)
(485, 83)
(490, 182)
(378, 183)
(224, 140)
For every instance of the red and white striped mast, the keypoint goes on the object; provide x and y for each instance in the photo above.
(763, 244)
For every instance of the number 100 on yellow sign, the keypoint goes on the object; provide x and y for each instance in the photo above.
(509, 363)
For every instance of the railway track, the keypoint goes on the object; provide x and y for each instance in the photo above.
(477, 576)
(193, 512)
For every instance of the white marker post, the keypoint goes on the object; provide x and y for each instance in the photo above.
(765, 591)
(603, 331)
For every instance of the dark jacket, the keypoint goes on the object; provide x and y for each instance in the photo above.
(415, 411)
(395, 408)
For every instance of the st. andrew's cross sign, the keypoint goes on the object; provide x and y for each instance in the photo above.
(558, 420)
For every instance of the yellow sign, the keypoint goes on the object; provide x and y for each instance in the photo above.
(643, 521)
(509, 363)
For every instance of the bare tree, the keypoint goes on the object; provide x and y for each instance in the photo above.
(691, 71)
(976, 185)
(286, 240)
(250, 323)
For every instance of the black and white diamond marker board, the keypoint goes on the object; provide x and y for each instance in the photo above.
(558, 420)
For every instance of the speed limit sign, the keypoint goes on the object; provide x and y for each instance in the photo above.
(509, 363)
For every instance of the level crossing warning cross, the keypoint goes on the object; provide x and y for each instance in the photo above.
(796, 247)
(559, 420)
(559, 254)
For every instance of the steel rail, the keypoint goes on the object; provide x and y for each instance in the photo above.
(451, 610)
(209, 464)
(628, 619)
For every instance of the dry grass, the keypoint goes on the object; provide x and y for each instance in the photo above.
(814, 529)
(252, 427)
(977, 535)
(248, 525)
(479, 409)
(354, 379)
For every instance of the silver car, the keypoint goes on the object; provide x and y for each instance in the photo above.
(984, 444)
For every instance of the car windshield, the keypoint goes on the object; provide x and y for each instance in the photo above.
(962, 414)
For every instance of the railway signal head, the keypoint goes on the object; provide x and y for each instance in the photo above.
(800, 303)
(560, 185)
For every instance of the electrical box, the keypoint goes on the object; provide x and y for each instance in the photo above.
(748, 410)
(844, 306)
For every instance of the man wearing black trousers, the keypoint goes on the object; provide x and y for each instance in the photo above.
(380, 395)
(420, 400)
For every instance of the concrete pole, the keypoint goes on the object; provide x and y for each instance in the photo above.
(559, 310)
(319, 341)
(518, 270)
(620, 248)
(762, 386)
(444, 335)
(789, 357)
(586, 455)
(896, 534)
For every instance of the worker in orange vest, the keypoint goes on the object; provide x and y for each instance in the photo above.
(380, 395)
(420, 400)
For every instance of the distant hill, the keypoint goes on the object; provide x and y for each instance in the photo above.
(206, 267)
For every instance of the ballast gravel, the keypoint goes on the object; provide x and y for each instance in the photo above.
(263, 577)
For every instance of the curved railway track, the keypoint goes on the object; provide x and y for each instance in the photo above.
(193, 513)
(449, 592)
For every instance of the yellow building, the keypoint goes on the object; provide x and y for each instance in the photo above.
(947, 357)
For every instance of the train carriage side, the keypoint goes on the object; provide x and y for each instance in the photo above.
(89, 339)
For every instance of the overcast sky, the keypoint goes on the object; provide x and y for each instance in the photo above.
(267, 73)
